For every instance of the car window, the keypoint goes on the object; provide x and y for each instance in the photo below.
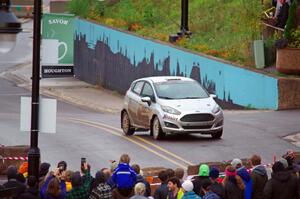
(180, 90)
(138, 87)
(147, 91)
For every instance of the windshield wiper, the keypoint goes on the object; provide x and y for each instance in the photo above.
(165, 97)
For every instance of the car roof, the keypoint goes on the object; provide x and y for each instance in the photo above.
(159, 79)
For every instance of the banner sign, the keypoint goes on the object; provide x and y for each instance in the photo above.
(57, 43)
(57, 71)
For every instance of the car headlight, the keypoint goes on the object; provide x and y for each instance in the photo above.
(170, 110)
(216, 109)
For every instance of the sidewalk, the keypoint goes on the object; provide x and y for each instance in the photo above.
(69, 90)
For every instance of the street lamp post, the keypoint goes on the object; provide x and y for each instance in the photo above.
(9, 27)
(34, 151)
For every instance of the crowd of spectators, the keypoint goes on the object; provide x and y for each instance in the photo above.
(125, 181)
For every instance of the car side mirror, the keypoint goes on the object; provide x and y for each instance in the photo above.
(147, 100)
(212, 95)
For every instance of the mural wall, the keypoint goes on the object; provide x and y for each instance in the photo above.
(114, 59)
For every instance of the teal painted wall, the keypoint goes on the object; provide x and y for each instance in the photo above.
(128, 53)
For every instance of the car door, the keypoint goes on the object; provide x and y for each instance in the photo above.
(133, 102)
(144, 111)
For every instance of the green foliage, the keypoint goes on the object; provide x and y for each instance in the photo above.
(79, 7)
(222, 28)
(290, 24)
(294, 41)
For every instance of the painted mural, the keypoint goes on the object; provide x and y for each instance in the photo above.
(114, 59)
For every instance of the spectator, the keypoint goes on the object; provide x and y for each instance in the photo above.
(215, 186)
(12, 182)
(139, 191)
(233, 184)
(101, 189)
(32, 190)
(237, 163)
(43, 171)
(247, 180)
(282, 185)
(259, 177)
(179, 173)
(171, 173)
(290, 158)
(162, 191)
(67, 177)
(50, 190)
(80, 188)
(54, 190)
(188, 187)
(174, 186)
(197, 180)
(282, 12)
(208, 194)
(124, 176)
(140, 178)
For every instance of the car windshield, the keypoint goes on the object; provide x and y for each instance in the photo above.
(180, 90)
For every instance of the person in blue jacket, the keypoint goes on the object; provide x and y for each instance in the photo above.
(124, 177)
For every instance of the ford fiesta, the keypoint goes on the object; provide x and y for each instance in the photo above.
(170, 104)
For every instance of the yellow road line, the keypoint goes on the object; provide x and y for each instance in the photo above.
(129, 139)
(141, 139)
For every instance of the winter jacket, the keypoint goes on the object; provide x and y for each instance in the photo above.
(218, 189)
(282, 185)
(197, 182)
(102, 191)
(211, 195)
(259, 180)
(140, 178)
(18, 187)
(190, 195)
(161, 192)
(30, 193)
(247, 180)
(43, 191)
(232, 191)
(124, 176)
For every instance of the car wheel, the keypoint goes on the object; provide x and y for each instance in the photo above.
(157, 132)
(217, 135)
(126, 124)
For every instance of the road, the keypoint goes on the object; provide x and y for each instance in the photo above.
(84, 133)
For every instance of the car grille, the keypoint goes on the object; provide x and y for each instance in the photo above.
(197, 127)
(197, 118)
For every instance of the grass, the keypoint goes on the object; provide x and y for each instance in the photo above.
(221, 28)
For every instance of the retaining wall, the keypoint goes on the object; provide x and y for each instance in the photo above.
(114, 59)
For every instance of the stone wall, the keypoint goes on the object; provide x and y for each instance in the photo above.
(289, 93)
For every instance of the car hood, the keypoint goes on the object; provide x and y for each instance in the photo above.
(191, 105)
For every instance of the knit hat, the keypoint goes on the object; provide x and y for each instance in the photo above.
(187, 185)
(44, 169)
(214, 173)
(11, 172)
(236, 162)
(204, 170)
(23, 168)
(284, 162)
(277, 167)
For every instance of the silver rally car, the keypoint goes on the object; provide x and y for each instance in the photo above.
(170, 104)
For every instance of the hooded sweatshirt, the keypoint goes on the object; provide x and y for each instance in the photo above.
(243, 173)
(259, 178)
(282, 185)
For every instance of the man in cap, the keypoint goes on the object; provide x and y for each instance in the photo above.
(197, 180)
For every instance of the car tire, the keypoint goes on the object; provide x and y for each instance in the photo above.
(126, 124)
(156, 129)
(217, 135)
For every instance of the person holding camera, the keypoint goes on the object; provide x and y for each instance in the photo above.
(54, 186)
(80, 186)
